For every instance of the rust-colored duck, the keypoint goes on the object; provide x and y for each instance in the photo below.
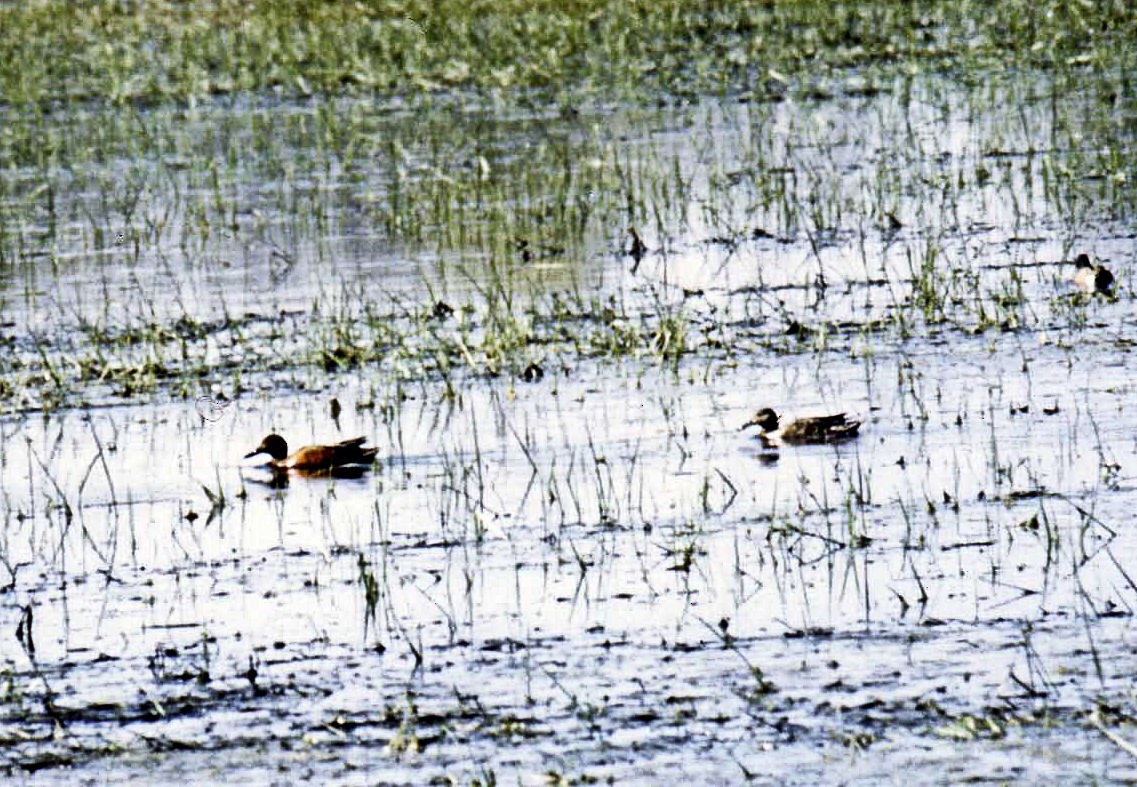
(315, 458)
(819, 429)
(1091, 277)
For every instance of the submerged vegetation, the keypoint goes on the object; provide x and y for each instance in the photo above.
(137, 259)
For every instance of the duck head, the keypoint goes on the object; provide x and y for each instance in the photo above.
(765, 419)
(274, 445)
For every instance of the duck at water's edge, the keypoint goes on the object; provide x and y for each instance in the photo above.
(313, 458)
(1091, 277)
(819, 429)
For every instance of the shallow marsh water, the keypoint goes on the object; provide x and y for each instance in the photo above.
(594, 575)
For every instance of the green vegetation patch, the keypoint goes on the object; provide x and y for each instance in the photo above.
(157, 51)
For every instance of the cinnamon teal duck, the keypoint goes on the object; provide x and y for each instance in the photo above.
(315, 458)
(1091, 277)
(819, 429)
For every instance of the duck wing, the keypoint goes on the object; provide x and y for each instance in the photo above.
(324, 457)
(821, 429)
(352, 452)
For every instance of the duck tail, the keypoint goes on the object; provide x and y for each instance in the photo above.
(365, 456)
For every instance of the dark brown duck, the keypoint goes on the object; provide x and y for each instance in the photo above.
(818, 429)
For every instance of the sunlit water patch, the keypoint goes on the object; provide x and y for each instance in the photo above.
(573, 559)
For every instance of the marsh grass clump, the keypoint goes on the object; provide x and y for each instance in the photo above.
(503, 329)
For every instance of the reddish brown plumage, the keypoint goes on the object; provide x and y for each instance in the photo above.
(315, 457)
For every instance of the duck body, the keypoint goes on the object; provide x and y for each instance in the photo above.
(818, 429)
(1091, 277)
(314, 458)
